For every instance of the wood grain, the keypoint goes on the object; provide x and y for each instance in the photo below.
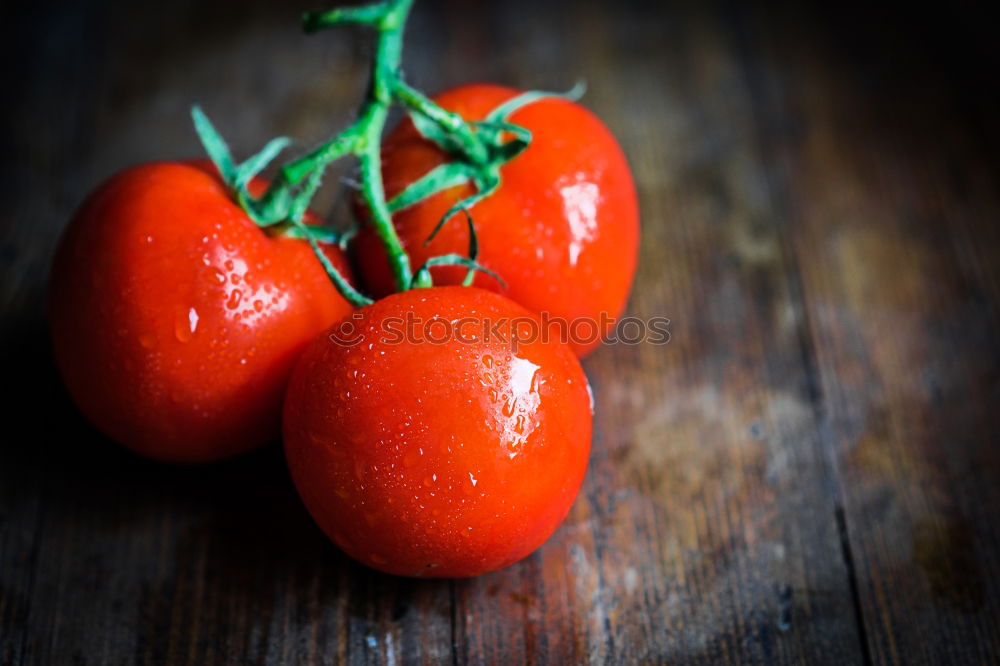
(899, 285)
(807, 473)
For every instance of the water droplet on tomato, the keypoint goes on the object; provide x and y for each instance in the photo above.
(488, 360)
(536, 382)
(235, 296)
(508, 408)
(519, 426)
(229, 265)
(185, 324)
(258, 305)
(469, 487)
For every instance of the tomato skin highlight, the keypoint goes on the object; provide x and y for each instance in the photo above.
(562, 230)
(175, 320)
(437, 458)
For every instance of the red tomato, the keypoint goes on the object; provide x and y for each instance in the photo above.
(562, 230)
(176, 320)
(435, 454)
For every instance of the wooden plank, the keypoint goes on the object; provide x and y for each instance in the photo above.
(894, 207)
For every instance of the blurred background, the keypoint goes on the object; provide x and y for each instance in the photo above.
(806, 473)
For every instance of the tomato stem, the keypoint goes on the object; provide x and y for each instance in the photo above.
(479, 149)
(472, 147)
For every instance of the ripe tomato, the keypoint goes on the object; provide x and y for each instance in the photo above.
(176, 320)
(562, 230)
(435, 453)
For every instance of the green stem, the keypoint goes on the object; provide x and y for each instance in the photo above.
(281, 205)
(473, 148)
(388, 53)
(362, 139)
(368, 15)
(373, 193)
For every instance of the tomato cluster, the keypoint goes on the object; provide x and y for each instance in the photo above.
(196, 313)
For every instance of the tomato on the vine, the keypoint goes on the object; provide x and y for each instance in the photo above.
(176, 320)
(562, 230)
(425, 441)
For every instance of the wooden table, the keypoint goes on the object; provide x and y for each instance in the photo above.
(807, 472)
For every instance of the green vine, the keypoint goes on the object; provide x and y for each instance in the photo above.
(478, 151)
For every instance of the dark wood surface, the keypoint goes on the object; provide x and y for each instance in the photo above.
(808, 473)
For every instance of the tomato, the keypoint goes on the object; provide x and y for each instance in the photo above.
(176, 320)
(562, 230)
(444, 452)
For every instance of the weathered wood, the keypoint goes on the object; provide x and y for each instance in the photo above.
(893, 219)
(806, 473)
